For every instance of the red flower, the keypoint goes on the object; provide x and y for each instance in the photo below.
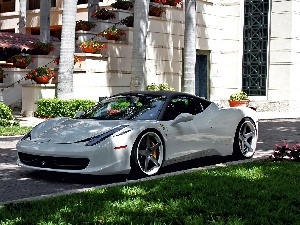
(92, 44)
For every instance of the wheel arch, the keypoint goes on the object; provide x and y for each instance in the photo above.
(141, 134)
(242, 120)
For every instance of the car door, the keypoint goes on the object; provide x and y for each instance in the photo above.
(186, 140)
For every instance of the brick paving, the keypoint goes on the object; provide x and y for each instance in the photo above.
(19, 184)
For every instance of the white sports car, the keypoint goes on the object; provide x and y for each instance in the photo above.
(139, 132)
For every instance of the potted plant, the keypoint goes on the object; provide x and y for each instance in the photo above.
(84, 25)
(238, 99)
(103, 14)
(112, 33)
(91, 46)
(21, 60)
(127, 21)
(159, 87)
(156, 11)
(40, 75)
(40, 48)
(120, 4)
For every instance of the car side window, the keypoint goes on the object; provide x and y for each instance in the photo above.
(182, 104)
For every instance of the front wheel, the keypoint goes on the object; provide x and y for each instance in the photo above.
(245, 139)
(147, 154)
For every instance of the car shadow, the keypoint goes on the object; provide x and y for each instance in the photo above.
(196, 163)
(55, 177)
(59, 177)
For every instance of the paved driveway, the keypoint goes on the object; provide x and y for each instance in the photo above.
(18, 184)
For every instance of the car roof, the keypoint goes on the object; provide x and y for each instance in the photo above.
(159, 93)
(168, 94)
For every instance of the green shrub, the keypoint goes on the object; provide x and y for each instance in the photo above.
(6, 117)
(159, 87)
(9, 123)
(5, 112)
(47, 108)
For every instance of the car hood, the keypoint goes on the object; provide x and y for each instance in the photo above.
(66, 130)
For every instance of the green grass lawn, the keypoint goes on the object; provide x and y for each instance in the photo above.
(253, 193)
(14, 130)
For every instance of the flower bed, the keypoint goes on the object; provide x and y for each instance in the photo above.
(286, 152)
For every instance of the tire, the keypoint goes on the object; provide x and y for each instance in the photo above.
(245, 139)
(147, 154)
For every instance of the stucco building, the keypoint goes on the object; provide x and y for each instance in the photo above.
(249, 45)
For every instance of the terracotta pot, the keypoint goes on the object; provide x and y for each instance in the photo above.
(153, 13)
(112, 37)
(20, 65)
(89, 50)
(85, 28)
(233, 103)
(42, 80)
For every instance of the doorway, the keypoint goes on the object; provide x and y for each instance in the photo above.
(202, 73)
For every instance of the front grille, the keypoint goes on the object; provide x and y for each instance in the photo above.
(53, 162)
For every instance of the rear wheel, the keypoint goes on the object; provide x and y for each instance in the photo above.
(245, 139)
(147, 154)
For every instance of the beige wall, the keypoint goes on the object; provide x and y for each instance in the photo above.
(219, 30)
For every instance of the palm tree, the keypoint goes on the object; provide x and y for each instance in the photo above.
(45, 6)
(67, 49)
(22, 19)
(140, 27)
(189, 52)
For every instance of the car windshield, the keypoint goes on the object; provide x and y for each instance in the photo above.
(131, 107)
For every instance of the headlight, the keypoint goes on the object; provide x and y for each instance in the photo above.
(97, 139)
(26, 136)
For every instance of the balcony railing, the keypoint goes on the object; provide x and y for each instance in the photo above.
(7, 7)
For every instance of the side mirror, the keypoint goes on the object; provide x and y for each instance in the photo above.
(78, 114)
(183, 117)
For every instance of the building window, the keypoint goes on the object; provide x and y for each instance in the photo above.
(35, 4)
(255, 54)
(7, 6)
(79, 2)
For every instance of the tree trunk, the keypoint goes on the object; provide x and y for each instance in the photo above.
(45, 6)
(138, 72)
(67, 49)
(22, 19)
(189, 52)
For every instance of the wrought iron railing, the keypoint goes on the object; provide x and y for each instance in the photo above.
(255, 57)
